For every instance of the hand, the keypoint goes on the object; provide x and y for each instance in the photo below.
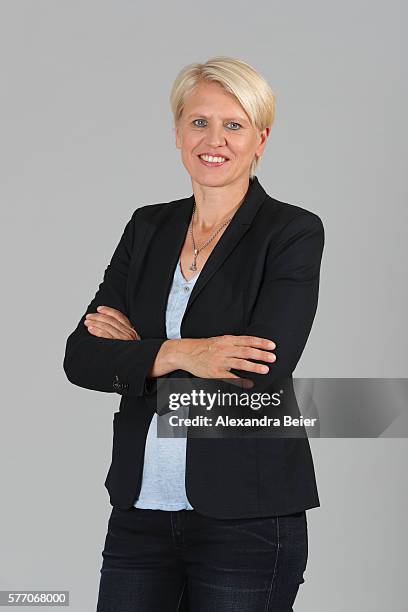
(110, 323)
(213, 357)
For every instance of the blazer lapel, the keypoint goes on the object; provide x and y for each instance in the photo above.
(170, 238)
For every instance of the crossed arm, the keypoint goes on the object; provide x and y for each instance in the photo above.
(104, 347)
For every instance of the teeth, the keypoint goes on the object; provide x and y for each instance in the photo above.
(210, 158)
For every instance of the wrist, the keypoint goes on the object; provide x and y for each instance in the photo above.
(177, 351)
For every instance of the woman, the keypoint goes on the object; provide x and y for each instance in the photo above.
(220, 285)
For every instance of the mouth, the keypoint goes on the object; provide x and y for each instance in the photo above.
(212, 164)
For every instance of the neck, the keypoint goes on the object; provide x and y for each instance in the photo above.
(214, 205)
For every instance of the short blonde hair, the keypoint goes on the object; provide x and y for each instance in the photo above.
(236, 77)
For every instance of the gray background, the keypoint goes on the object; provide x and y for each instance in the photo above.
(86, 137)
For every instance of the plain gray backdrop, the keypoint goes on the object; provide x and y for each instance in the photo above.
(86, 138)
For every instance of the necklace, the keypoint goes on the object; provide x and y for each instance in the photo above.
(195, 249)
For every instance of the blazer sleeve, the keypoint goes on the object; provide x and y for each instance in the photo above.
(286, 304)
(107, 364)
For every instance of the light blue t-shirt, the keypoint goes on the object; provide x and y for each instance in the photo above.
(164, 468)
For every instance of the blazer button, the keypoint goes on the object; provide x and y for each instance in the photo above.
(117, 385)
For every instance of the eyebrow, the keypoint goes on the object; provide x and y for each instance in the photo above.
(232, 118)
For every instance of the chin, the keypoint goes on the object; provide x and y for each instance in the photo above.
(208, 177)
(208, 181)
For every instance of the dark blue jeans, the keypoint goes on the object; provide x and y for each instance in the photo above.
(164, 561)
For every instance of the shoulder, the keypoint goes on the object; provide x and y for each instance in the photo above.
(292, 231)
(282, 215)
(154, 213)
(146, 216)
(290, 225)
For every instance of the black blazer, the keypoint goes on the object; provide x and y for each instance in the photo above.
(261, 279)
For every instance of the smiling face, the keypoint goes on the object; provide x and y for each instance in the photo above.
(214, 122)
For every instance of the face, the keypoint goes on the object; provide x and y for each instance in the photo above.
(214, 122)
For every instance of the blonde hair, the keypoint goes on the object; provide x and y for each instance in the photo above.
(236, 77)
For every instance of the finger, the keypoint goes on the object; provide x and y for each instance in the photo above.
(244, 364)
(119, 316)
(113, 312)
(109, 331)
(103, 332)
(116, 314)
(255, 341)
(96, 331)
(114, 323)
(253, 353)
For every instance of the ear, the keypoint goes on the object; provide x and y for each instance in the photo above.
(178, 137)
(263, 139)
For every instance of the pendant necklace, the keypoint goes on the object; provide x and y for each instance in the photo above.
(195, 249)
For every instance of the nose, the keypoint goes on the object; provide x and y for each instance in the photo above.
(216, 136)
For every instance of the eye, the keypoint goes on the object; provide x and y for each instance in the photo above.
(231, 122)
(234, 123)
